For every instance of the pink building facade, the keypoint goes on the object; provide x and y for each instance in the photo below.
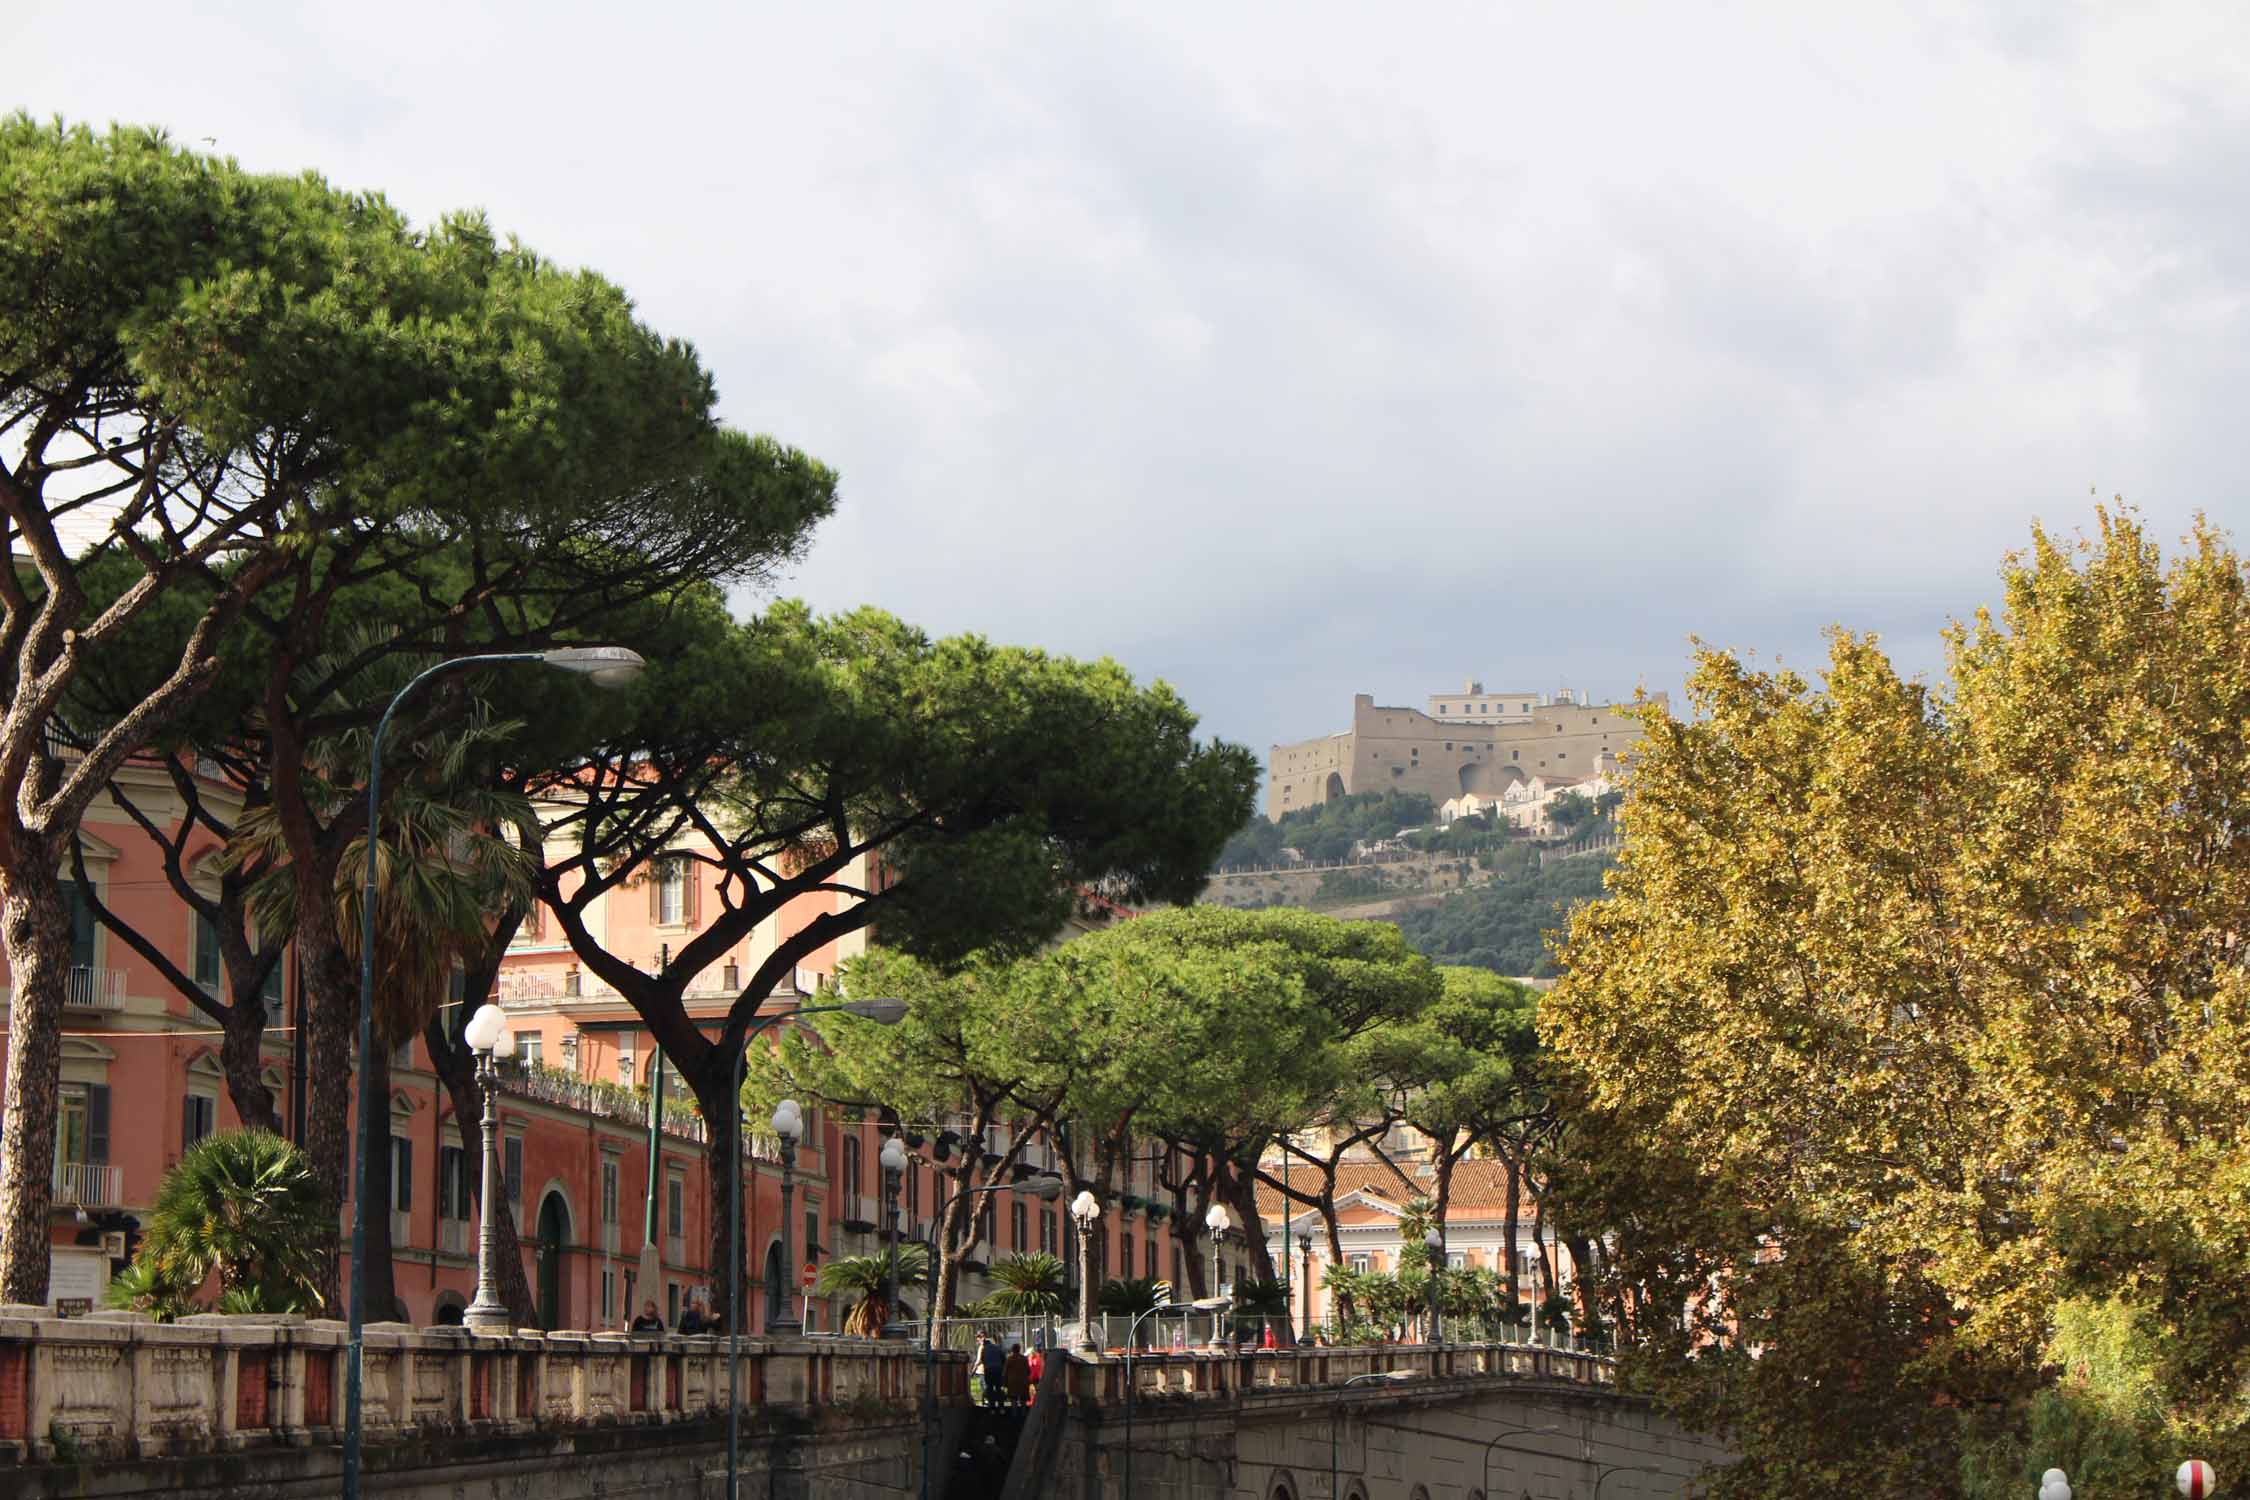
(141, 1082)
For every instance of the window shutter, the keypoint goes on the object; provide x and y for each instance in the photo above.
(655, 891)
(97, 1123)
(402, 1176)
(691, 892)
(187, 1121)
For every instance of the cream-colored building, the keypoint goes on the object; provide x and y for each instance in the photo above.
(1480, 746)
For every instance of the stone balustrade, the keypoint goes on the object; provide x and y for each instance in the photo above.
(1163, 1374)
(120, 1385)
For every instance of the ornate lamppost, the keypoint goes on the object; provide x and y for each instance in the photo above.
(894, 1168)
(788, 1123)
(1086, 1210)
(487, 1314)
(1434, 1242)
(1218, 1221)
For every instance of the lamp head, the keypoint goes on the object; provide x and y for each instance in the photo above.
(605, 666)
(483, 1031)
(883, 1012)
(1219, 1220)
(788, 1121)
(893, 1156)
(1085, 1208)
(1433, 1239)
(1047, 1188)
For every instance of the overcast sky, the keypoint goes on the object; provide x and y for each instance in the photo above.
(1292, 351)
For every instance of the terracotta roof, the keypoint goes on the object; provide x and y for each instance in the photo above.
(1479, 1189)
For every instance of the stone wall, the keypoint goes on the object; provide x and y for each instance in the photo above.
(115, 1404)
(1263, 1426)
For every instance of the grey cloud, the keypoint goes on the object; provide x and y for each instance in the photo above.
(1292, 358)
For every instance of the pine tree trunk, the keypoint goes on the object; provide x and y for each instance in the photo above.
(331, 1021)
(242, 1055)
(382, 1291)
(1245, 1198)
(1539, 1243)
(1515, 1219)
(722, 1153)
(35, 926)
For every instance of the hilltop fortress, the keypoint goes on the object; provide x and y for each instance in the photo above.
(1469, 743)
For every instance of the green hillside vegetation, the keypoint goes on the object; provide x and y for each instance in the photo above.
(1503, 927)
(1325, 834)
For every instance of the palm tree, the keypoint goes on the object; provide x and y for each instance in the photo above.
(867, 1277)
(443, 874)
(247, 1206)
(1031, 1286)
(1128, 1295)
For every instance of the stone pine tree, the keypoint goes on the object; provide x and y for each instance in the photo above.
(260, 393)
(951, 795)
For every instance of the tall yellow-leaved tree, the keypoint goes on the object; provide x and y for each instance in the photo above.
(1914, 1013)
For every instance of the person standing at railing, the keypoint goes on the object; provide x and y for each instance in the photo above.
(1015, 1374)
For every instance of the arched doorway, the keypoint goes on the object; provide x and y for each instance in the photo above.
(1335, 788)
(554, 1234)
(775, 1292)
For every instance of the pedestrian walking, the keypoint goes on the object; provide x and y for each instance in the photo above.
(994, 1364)
(1035, 1367)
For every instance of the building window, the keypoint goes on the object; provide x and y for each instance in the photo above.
(82, 1124)
(270, 991)
(199, 1117)
(675, 1207)
(1047, 1231)
(1148, 1260)
(1441, 708)
(527, 1048)
(812, 1236)
(671, 1304)
(671, 892)
(913, 1190)
(511, 1169)
(1125, 1252)
(609, 1296)
(206, 952)
(1019, 1226)
(851, 1172)
(609, 1190)
(1360, 1263)
(453, 1184)
(81, 927)
(402, 1175)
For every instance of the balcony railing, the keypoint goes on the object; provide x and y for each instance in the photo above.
(85, 988)
(89, 1184)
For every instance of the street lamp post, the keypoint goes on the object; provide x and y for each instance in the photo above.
(1218, 1220)
(606, 666)
(1086, 1211)
(1132, 1346)
(1047, 1188)
(1603, 1477)
(1336, 1415)
(882, 1013)
(894, 1168)
(1434, 1242)
(487, 1314)
(788, 1123)
(1304, 1246)
(1508, 1432)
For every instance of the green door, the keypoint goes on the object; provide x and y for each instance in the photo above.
(554, 1233)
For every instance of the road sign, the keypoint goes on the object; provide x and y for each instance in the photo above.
(807, 1277)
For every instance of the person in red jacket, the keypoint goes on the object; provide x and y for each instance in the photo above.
(1038, 1364)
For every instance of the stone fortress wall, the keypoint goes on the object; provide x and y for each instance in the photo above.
(1391, 748)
